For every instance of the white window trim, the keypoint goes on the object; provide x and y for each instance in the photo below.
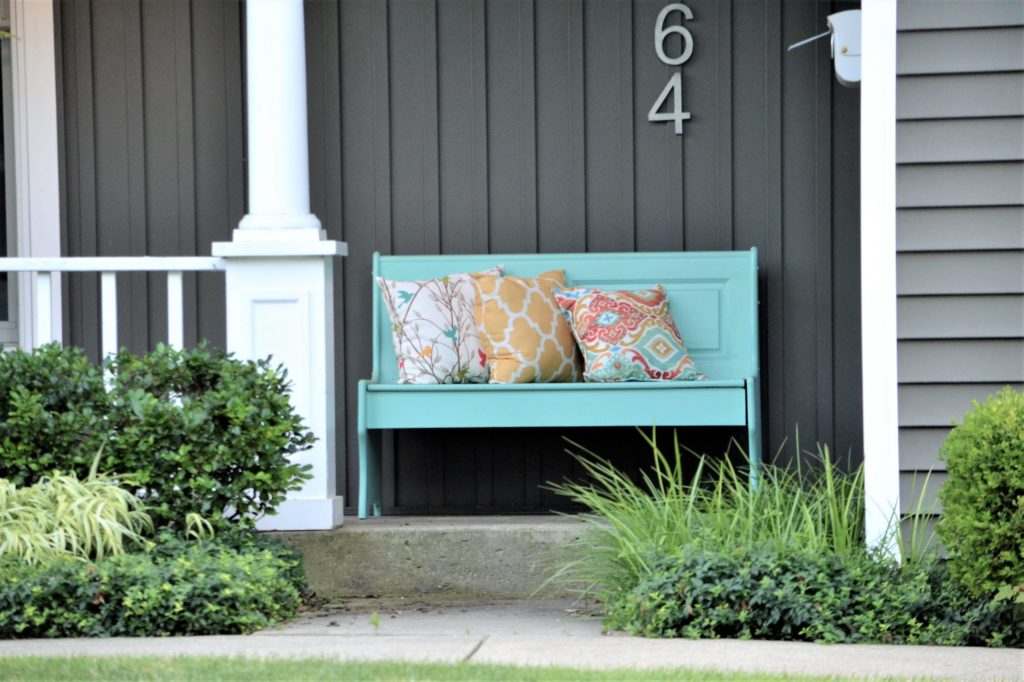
(8, 325)
(878, 271)
(36, 161)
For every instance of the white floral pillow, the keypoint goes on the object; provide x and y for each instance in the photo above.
(434, 332)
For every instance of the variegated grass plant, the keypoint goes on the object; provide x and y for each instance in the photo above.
(634, 524)
(62, 515)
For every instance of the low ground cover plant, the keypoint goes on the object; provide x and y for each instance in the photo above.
(704, 554)
(805, 596)
(172, 587)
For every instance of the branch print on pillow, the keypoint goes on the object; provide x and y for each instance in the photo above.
(433, 329)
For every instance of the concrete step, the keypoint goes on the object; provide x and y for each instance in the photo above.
(445, 556)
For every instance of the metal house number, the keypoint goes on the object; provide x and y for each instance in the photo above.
(674, 87)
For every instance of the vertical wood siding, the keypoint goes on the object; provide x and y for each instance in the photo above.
(960, 219)
(489, 126)
(151, 95)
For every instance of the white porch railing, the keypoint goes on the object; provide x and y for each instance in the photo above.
(108, 267)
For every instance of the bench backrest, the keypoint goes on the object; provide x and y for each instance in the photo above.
(712, 296)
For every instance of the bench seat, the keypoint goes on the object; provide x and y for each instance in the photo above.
(713, 298)
(417, 406)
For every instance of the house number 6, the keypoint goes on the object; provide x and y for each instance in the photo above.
(674, 86)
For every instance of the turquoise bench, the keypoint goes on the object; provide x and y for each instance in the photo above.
(713, 298)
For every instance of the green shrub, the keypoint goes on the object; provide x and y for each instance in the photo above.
(62, 515)
(634, 525)
(197, 430)
(772, 594)
(177, 588)
(206, 433)
(52, 413)
(982, 522)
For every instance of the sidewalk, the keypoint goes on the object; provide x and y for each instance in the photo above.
(538, 632)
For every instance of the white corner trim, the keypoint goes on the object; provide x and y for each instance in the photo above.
(878, 271)
(36, 162)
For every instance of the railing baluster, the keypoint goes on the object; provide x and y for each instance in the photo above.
(108, 312)
(44, 311)
(175, 310)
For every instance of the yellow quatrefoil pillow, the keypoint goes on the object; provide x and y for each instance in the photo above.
(526, 337)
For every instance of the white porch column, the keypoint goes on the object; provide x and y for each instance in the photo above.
(279, 263)
(278, 143)
(878, 272)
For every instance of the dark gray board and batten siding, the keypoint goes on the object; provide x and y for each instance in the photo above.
(960, 219)
(500, 126)
(152, 154)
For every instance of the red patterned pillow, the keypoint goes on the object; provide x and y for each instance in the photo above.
(627, 335)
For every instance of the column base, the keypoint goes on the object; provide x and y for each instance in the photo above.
(305, 226)
(306, 514)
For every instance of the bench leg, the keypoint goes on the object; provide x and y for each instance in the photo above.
(755, 456)
(754, 429)
(370, 445)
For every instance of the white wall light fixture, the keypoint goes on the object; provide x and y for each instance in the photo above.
(844, 29)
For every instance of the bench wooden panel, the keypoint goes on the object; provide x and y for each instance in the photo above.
(713, 299)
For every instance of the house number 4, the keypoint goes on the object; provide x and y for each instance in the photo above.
(674, 87)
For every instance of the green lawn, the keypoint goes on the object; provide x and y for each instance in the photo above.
(78, 669)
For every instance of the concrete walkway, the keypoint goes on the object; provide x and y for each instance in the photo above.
(538, 632)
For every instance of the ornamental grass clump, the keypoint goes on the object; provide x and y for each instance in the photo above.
(706, 554)
(636, 524)
(64, 516)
